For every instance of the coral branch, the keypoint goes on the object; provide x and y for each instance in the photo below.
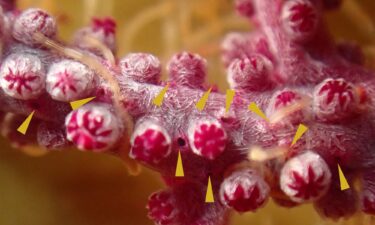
(288, 71)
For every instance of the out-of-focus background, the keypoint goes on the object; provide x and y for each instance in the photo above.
(75, 188)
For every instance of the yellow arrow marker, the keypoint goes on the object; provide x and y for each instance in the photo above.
(202, 102)
(179, 167)
(76, 104)
(229, 99)
(255, 109)
(209, 193)
(300, 131)
(158, 100)
(23, 127)
(343, 182)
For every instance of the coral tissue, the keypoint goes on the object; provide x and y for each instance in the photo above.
(288, 66)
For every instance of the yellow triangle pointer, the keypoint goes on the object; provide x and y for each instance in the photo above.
(202, 102)
(343, 182)
(158, 100)
(23, 127)
(179, 167)
(209, 193)
(229, 99)
(76, 104)
(255, 109)
(300, 131)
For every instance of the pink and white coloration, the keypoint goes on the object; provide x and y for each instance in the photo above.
(235, 46)
(22, 76)
(187, 69)
(335, 99)
(105, 25)
(207, 138)
(244, 190)
(300, 18)
(32, 21)
(288, 58)
(249, 73)
(305, 177)
(93, 128)
(150, 142)
(161, 208)
(103, 30)
(69, 80)
(283, 99)
(141, 67)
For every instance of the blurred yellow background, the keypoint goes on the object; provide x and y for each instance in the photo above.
(75, 188)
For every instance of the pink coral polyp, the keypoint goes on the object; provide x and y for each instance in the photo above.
(92, 127)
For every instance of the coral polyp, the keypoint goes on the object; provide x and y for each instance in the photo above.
(303, 107)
